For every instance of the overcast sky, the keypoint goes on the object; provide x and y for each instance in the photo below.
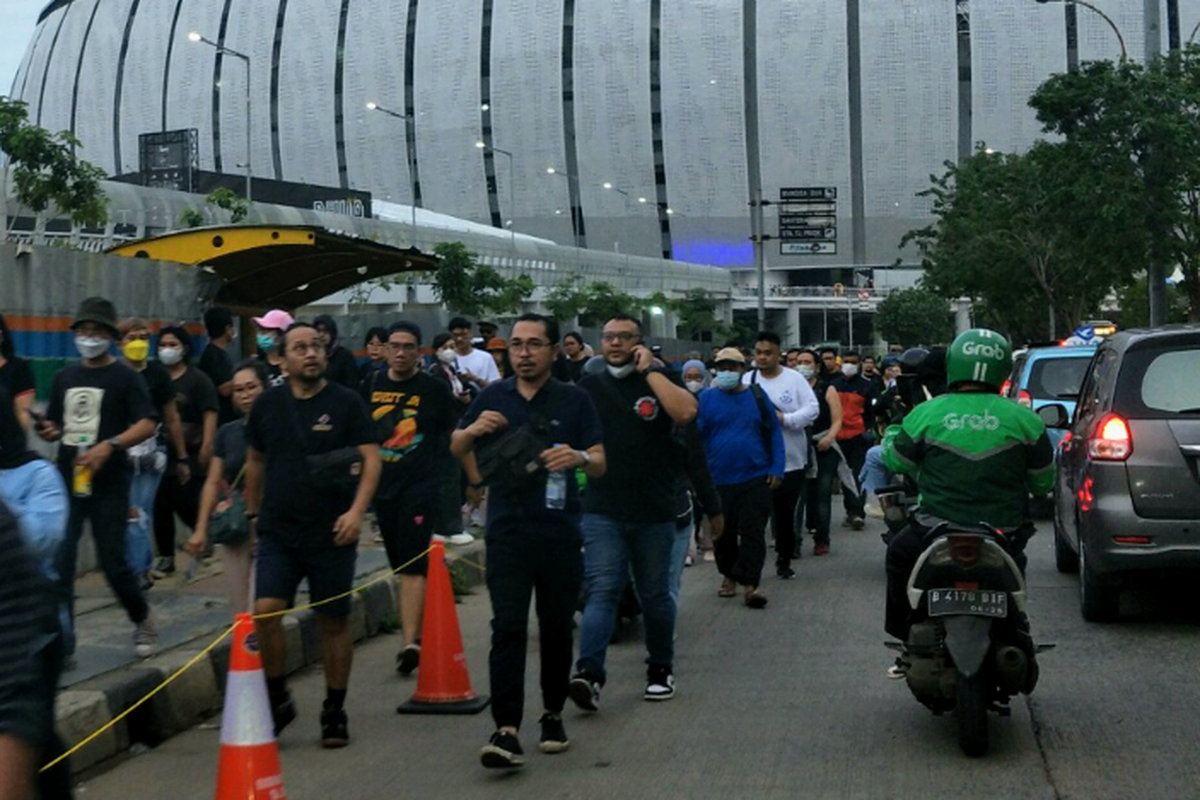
(17, 18)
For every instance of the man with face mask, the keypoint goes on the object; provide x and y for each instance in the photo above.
(744, 443)
(100, 408)
(629, 513)
(857, 433)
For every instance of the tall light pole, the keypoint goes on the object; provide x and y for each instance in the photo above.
(195, 36)
(1105, 17)
(512, 206)
(412, 178)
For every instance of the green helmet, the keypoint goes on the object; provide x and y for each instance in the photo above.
(980, 356)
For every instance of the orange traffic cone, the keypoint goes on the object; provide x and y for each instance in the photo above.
(249, 768)
(443, 685)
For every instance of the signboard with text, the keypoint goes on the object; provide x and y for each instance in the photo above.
(808, 220)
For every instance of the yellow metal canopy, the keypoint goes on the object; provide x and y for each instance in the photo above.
(278, 266)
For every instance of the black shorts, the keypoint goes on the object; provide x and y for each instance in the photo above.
(406, 524)
(281, 565)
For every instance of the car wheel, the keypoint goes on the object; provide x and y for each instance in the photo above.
(1064, 557)
(1097, 602)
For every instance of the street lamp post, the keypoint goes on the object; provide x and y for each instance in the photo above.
(1105, 17)
(412, 179)
(512, 206)
(195, 36)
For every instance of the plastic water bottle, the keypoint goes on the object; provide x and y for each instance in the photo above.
(556, 490)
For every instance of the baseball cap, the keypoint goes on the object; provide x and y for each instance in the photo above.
(275, 320)
(730, 354)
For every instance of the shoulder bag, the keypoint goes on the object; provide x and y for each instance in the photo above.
(228, 524)
(340, 468)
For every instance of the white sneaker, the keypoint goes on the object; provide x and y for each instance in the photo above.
(478, 519)
(437, 537)
(461, 538)
(145, 637)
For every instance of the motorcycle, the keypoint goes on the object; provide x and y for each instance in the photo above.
(969, 647)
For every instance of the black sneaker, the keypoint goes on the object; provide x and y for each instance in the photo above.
(502, 751)
(554, 735)
(784, 572)
(408, 659)
(585, 692)
(283, 713)
(899, 670)
(660, 683)
(335, 730)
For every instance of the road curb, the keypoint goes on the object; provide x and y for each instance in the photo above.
(198, 693)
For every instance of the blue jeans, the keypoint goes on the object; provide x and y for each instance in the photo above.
(142, 491)
(874, 475)
(679, 551)
(610, 548)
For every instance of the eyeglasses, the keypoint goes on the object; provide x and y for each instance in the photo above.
(529, 346)
(624, 337)
(407, 347)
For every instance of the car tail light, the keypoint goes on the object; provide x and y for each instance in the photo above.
(1111, 440)
(1065, 439)
(1025, 398)
(1005, 387)
(965, 550)
(1133, 540)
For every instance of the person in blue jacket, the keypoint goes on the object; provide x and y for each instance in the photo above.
(744, 443)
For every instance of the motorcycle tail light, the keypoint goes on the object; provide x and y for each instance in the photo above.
(1111, 441)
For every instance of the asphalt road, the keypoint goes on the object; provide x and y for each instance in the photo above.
(787, 702)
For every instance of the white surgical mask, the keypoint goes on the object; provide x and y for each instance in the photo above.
(694, 386)
(727, 379)
(623, 371)
(806, 370)
(849, 370)
(91, 346)
(170, 356)
(446, 356)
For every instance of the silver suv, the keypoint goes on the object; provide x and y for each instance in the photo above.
(1127, 497)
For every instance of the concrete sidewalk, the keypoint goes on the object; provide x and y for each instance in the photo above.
(109, 678)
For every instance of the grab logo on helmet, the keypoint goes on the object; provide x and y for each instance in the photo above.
(985, 350)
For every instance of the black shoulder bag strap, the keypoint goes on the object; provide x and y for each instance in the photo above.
(764, 414)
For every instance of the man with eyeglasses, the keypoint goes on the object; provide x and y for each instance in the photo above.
(630, 513)
(532, 529)
(413, 414)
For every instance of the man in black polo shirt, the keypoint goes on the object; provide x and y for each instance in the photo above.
(216, 362)
(532, 529)
(414, 415)
(309, 528)
(630, 519)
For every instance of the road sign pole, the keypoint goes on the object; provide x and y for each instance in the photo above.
(850, 319)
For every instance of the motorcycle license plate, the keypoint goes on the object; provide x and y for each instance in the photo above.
(972, 602)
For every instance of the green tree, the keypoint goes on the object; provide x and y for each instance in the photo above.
(45, 168)
(603, 301)
(227, 199)
(915, 316)
(1133, 305)
(191, 218)
(1028, 237)
(1140, 126)
(467, 287)
(567, 299)
(697, 314)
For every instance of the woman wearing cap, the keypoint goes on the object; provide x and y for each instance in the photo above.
(499, 350)
(270, 333)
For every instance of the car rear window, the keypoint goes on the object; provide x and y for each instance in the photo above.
(1057, 378)
(1160, 382)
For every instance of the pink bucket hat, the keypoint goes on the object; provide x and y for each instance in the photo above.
(275, 320)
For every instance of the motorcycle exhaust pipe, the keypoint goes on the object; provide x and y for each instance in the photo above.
(1012, 669)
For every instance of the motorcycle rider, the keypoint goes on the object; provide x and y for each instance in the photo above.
(975, 456)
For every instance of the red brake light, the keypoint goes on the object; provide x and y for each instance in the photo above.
(1111, 441)
(1025, 398)
(965, 550)
(1005, 387)
(1133, 540)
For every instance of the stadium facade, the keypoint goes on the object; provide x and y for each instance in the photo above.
(646, 96)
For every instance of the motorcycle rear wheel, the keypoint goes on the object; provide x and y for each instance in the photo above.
(972, 713)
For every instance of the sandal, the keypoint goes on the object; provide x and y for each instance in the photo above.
(728, 588)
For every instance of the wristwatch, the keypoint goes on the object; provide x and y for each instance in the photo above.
(475, 485)
(586, 456)
(115, 443)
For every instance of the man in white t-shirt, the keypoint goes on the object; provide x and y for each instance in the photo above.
(797, 408)
(474, 366)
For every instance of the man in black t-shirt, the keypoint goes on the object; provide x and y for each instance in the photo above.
(341, 367)
(532, 530)
(308, 528)
(629, 517)
(216, 362)
(413, 414)
(98, 409)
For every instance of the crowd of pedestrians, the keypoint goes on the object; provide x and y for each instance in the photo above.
(596, 478)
